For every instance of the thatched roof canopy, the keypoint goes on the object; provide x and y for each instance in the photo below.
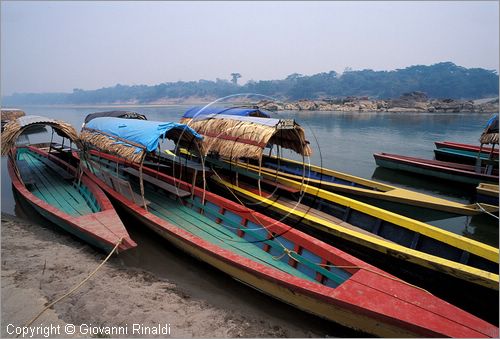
(132, 139)
(490, 133)
(8, 114)
(14, 128)
(246, 137)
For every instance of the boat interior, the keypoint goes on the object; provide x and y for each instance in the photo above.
(54, 184)
(239, 233)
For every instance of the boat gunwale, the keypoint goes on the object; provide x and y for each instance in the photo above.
(489, 279)
(429, 165)
(300, 285)
(394, 195)
(457, 145)
(102, 201)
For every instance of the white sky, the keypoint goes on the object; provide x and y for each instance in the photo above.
(58, 46)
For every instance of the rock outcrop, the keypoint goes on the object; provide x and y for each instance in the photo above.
(408, 102)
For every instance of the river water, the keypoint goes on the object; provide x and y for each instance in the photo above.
(343, 141)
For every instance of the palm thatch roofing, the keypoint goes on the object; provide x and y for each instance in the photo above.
(8, 114)
(236, 137)
(490, 133)
(132, 139)
(14, 128)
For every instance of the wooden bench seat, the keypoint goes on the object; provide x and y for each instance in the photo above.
(25, 172)
(123, 187)
(159, 183)
(59, 170)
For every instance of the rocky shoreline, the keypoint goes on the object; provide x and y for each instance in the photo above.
(408, 102)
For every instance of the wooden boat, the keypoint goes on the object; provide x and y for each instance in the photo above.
(381, 237)
(464, 174)
(487, 193)
(466, 147)
(463, 156)
(416, 252)
(403, 201)
(269, 255)
(51, 186)
(399, 200)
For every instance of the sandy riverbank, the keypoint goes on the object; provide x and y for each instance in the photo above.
(40, 264)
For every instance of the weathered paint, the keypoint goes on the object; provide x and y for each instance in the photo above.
(458, 270)
(464, 174)
(102, 229)
(371, 300)
(371, 189)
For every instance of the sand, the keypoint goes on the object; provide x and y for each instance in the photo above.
(40, 264)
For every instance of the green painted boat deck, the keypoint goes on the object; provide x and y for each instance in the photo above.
(47, 185)
(203, 227)
(188, 218)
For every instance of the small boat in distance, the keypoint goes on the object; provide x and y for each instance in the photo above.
(460, 173)
(463, 156)
(403, 201)
(54, 189)
(465, 147)
(261, 252)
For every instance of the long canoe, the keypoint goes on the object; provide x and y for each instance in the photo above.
(279, 260)
(48, 184)
(465, 147)
(464, 174)
(463, 156)
(444, 262)
(403, 201)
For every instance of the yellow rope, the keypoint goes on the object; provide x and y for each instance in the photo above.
(74, 288)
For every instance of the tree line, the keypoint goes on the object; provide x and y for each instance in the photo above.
(441, 80)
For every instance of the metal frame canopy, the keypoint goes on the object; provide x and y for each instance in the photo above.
(202, 112)
(132, 139)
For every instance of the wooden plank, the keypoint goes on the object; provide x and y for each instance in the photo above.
(25, 172)
(50, 190)
(280, 186)
(203, 227)
(159, 183)
(59, 170)
(123, 187)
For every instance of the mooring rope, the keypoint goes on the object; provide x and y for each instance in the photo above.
(74, 288)
(485, 211)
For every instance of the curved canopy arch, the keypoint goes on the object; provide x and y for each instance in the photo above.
(14, 128)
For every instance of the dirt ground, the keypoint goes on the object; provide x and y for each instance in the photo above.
(39, 265)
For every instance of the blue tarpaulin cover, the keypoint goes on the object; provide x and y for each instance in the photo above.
(214, 110)
(144, 132)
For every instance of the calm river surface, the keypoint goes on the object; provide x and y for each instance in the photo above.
(340, 141)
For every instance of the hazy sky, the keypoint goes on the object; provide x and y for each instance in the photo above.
(58, 46)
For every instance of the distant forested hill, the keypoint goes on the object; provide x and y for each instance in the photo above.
(442, 80)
